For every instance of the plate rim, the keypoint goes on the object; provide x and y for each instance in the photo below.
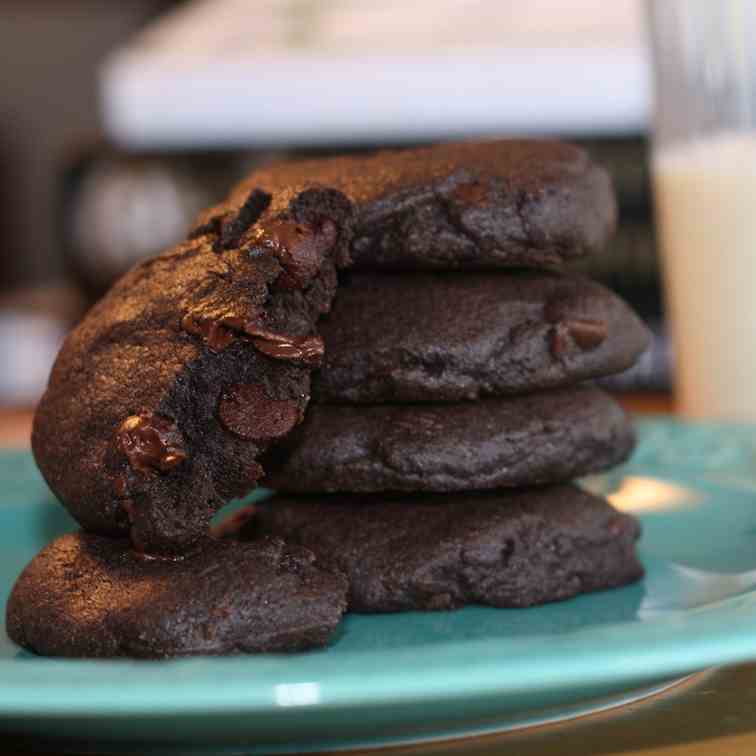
(716, 634)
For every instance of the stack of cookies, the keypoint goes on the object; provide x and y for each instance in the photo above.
(452, 409)
(417, 297)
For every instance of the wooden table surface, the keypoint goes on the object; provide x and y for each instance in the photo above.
(15, 428)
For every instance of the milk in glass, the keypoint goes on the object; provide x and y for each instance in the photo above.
(705, 192)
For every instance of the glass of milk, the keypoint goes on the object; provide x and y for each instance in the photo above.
(704, 168)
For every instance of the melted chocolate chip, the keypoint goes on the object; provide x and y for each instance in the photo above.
(193, 325)
(150, 442)
(308, 350)
(299, 247)
(233, 229)
(586, 333)
(219, 336)
(247, 411)
(218, 333)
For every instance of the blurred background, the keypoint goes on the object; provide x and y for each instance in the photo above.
(120, 120)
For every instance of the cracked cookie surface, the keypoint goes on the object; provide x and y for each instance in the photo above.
(425, 337)
(86, 595)
(504, 203)
(528, 440)
(505, 549)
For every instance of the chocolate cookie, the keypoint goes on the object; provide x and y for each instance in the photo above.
(449, 337)
(527, 440)
(467, 205)
(89, 596)
(506, 549)
(164, 397)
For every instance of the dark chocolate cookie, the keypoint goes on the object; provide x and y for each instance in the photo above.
(89, 596)
(466, 205)
(534, 439)
(507, 549)
(450, 337)
(163, 398)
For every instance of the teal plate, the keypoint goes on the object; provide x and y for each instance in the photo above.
(408, 677)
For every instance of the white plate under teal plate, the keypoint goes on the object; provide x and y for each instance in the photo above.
(405, 677)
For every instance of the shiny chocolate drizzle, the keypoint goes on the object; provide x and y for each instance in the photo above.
(308, 350)
(299, 247)
(586, 333)
(221, 332)
(150, 442)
